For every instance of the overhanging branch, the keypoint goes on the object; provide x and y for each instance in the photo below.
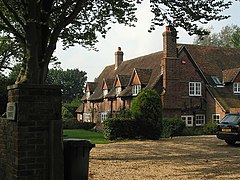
(15, 14)
(11, 28)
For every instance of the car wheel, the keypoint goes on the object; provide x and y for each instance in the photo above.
(230, 142)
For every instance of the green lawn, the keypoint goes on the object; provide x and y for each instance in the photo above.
(94, 137)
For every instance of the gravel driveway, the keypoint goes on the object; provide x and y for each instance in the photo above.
(195, 157)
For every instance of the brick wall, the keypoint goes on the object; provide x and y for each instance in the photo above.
(31, 145)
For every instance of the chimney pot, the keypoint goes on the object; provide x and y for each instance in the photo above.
(167, 28)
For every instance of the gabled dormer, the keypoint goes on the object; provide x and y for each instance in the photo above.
(117, 85)
(139, 79)
(232, 77)
(120, 83)
(106, 86)
(89, 89)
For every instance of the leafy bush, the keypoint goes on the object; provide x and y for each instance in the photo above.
(74, 124)
(66, 114)
(210, 128)
(172, 127)
(119, 128)
(147, 111)
(124, 113)
(71, 107)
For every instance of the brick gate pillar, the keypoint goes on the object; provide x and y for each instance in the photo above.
(34, 147)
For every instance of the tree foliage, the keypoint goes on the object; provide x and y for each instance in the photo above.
(37, 25)
(147, 111)
(72, 81)
(229, 36)
(10, 53)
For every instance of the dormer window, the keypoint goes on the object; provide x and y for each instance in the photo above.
(105, 92)
(87, 95)
(136, 89)
(236, 87)
(217, 82)
(118, 90)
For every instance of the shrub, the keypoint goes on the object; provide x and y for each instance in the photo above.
(210, 128)
(119, 128)
(147, 111)
(74, 124)
(172, 127)
(66, 114)
(124, 113)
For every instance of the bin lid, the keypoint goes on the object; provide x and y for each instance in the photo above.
(78, 143)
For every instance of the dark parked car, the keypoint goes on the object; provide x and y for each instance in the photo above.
(229, 129)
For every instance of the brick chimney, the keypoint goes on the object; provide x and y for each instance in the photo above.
(169, 42)
(170, 64)
(118, 57)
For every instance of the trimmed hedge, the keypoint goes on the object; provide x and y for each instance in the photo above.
(119, 128)
(74, 124)
(172, 127)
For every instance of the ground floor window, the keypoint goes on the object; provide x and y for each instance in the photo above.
(87, 117)
(216, 118)
(200, 119)
(188, 120)
(104, 115)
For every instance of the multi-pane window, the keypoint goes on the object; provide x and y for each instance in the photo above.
(236, 87)
(136, 89)
(194, 88)
(87, 117)
(200, 119)
(104, 115)
(105, 92)
(216, 118)
(188, 120)
(118, 90)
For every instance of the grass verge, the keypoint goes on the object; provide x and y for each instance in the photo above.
(94, 137)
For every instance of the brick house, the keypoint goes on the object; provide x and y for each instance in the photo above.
(197, 83)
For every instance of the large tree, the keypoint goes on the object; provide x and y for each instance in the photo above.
(229, 36)
(71, 80)
(37, 25)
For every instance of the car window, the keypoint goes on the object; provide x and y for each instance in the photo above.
(233, 119)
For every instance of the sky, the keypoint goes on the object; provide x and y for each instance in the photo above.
(134, 42)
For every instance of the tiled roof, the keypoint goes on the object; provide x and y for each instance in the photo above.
(151, 63)
(225, 97)
(80, 109)
(92, 86)
(124, 79)
(144, 75)
(214, 60)
(230, 74)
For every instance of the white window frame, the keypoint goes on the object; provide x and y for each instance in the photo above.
(188, 119)
(136, 89)
(200, 119)
(236, 87)
(195, 89)
(216, 118)
(118, 90)
(87, 117)
(104, 115)
(105, 92)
